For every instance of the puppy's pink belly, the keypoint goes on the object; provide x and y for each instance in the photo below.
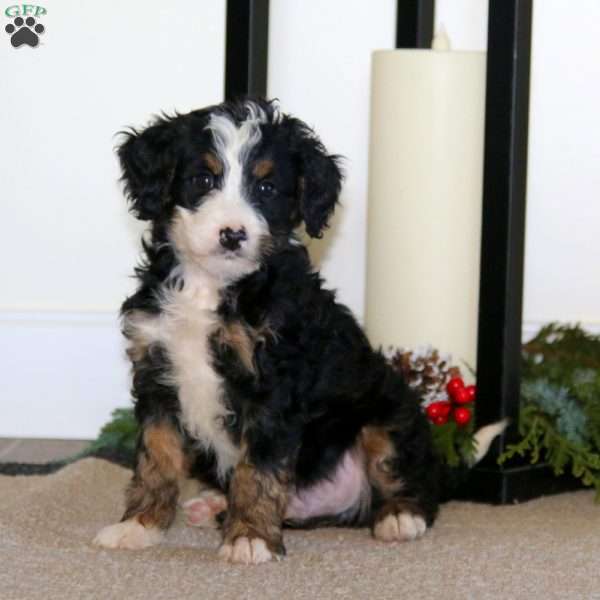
(342, 491)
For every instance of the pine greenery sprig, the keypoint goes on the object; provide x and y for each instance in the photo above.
(453, 444)
(119, 434)
(555, 401)
(560, 411)
(542, 441)
(115, 442)
(558, 351)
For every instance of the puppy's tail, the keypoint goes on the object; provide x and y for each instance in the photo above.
(483, 439)
(455, 477)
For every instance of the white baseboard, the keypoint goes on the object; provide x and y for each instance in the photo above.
(62, 373)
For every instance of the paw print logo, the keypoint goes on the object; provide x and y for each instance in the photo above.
(24, 32)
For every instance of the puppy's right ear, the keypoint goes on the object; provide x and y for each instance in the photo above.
(148, 164)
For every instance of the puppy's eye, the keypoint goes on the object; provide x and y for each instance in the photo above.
(266, 188)
(204, 182)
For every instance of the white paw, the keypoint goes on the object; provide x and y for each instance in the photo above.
(246, 551)
(130, 534)
(202, 510)
(402, 527)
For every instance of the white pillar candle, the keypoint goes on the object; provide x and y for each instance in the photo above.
(425, 187)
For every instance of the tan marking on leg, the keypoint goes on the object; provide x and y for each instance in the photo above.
(152, 494)
(400, 519)
(164, 445)
(379, 454)
(252, 529)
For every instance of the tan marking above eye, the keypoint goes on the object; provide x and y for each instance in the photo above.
(263, 168)
(213, 163)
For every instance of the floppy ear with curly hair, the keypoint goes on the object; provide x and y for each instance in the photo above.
(320, 178)
(148, 163)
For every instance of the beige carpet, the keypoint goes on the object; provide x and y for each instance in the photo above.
(549, 548)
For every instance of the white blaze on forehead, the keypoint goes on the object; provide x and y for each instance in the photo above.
(234, 143)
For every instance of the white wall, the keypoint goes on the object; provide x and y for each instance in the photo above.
(562, 267)
(562, 263)
(465, 22)
(68, 245)
(101, 66)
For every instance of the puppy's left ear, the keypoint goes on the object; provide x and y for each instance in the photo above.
(320, 179)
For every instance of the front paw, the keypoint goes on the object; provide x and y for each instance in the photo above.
(249, 551)
(130, 534)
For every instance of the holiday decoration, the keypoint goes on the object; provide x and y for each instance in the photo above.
(458, 392)
(471, 393)
(119, 435)
(425, 370)
(436, 410)
(442, 389)
(559, 419)
(454, 385)
(462, 415)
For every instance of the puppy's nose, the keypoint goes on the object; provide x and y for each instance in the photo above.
(231, 239)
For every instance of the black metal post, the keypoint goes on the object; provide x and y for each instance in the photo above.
(414, 23)
(502, 254)
(503, 224)
(246, 48)
(503, 235)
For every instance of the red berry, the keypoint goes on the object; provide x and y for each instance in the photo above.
(455, 384)
(438, 409)
(462, 415)
(462, 396)
(438, 412)
(434, 410)
(441, 420)
(472, 392)
(445, 408)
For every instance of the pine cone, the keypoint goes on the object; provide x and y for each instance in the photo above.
(426, 371)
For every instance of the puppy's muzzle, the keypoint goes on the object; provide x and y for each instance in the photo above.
(232, 239)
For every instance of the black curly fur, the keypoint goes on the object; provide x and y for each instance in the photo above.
(317, 381)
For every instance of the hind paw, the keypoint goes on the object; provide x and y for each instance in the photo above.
(202, 510)
(400, 527)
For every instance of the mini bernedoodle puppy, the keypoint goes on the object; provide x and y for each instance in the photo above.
(247, 374)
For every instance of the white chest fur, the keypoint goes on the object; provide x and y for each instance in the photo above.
(184, 327)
